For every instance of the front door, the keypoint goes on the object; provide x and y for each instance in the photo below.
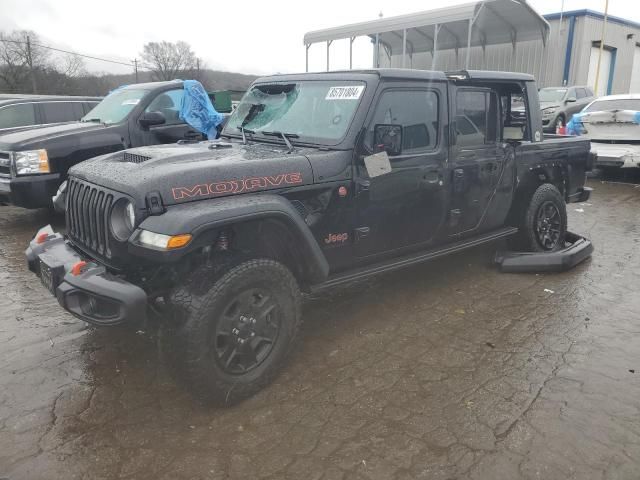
(405, 205)
(477, 158)
(174, 129)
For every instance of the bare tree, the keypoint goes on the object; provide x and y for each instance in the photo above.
(168, 60)
(72, 65)
(20, 56)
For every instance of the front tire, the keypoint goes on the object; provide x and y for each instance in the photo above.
(544, 222)
(236, 336)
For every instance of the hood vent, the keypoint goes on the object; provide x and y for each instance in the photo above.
(134, 158)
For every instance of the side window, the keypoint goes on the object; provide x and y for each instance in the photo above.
(55, 112)
(581, 92)
(571, 93)
(78, 111)
(472, 118)
(416, 111)
(17, 116)
(88, 106)
(168, 103)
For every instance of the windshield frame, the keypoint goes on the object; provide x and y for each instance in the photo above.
(346, 141)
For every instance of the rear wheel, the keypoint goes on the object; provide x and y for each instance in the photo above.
(544, 222)
(235, 338)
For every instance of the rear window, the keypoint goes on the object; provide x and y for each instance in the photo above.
(55, 112)
(617, 104)
(18, 115)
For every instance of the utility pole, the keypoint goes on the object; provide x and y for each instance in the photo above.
(604, 26)
(135, 66)
(34, 85)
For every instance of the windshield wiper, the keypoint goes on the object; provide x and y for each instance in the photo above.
(284, 136)
(243, 130)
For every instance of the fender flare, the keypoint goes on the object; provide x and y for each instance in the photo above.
(206, 216)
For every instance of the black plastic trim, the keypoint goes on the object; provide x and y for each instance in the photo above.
(579, 249)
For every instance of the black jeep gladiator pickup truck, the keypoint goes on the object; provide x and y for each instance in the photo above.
(318, 179)
(34, 162)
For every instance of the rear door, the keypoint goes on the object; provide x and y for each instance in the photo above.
(174, 129)
(477, 159)
(406, 205)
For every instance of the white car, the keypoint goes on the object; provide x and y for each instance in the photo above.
(613, 125)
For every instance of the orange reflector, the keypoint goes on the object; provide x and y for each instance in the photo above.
(177, 241)
(41, 238)
(43, 160)
(77, 268)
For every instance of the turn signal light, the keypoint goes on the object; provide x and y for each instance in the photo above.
(41, 238)
(178, 241)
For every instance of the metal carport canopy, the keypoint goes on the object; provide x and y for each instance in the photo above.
(488, 22)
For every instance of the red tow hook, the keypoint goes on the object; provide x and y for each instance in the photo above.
(43, 237)
(78, 268)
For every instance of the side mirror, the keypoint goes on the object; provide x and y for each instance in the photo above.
(388, 138)
(571, 100)
(148, 119)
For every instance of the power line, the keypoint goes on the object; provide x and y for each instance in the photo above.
(74, 53)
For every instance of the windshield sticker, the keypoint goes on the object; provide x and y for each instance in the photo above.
(131, 101)
(377, 164)
(345, 93)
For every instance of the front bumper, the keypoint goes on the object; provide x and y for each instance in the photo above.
(30, 191)
(90, 293)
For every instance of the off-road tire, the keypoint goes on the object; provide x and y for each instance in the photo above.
(527, 238)
(191, 343)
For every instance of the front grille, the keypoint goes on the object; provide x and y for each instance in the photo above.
(88, 211)
(5, 164)
(134, 157)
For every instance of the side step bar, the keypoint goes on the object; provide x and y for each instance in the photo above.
(412, 259)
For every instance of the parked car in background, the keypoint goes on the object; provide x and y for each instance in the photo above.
(18, 112)
(558, 104)
(34, 162)
(612, 124)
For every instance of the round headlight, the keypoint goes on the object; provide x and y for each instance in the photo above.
(130, 215)
(123, 219)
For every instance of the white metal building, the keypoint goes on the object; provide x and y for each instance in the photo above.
(504, 35)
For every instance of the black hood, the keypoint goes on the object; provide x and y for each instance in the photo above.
(190, 172)
(43, 137)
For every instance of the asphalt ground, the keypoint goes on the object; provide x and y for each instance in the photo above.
(449, 370)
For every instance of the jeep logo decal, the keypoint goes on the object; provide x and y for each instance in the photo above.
(236, 186)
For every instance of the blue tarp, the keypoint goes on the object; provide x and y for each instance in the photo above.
(636, 118)
(574, 126)
(197, 110)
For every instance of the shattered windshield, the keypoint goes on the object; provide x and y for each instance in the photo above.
(615, 104)
(551, 94)
(115, 106)
(308, 111)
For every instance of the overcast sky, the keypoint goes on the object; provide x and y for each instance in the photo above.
(245, 36)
